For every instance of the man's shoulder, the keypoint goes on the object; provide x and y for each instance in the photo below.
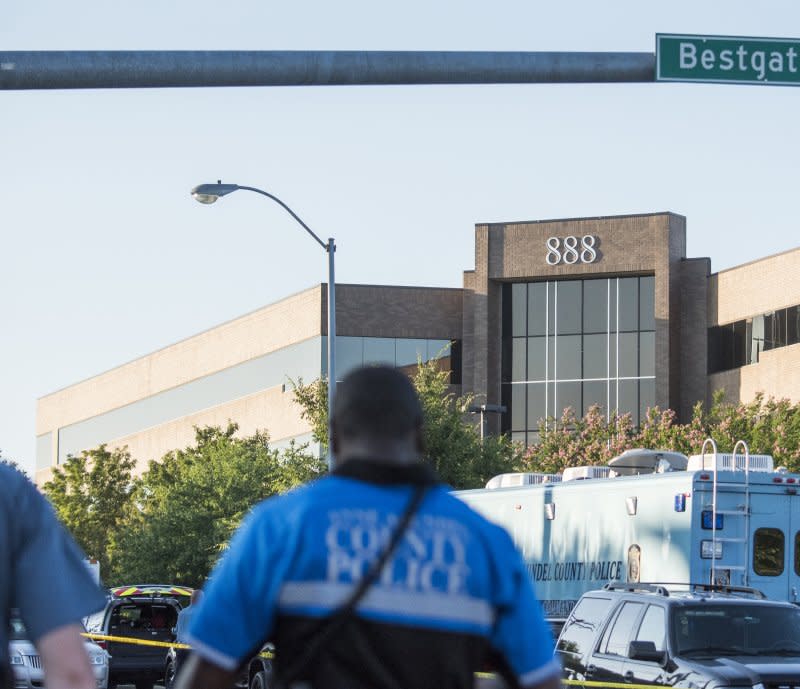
(292, 504)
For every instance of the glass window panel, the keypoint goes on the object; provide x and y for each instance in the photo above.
(569, 310)
(617, 642)
(349, 354)
(653, 626)
(519, 437)
(437, 349)
(537, 358)
(568, 395)
(518, 346)
(647, 354)
(595, 356)
(755, 339)
(613, 384)
(768, 552)
(551, 358)
(612, 356)
(740, 342)
(647, 303)
(629, 399)
(518, 308)
(793, 325)
(537, 404)
(595, 392)
(797, 552)
(533, 437)
(568, 362)
(595, 306)
(518, 407)
(780, 324)
(378, 350)
(628, 354)
(628, 315)
(647, 397)
(578, 633)
(537, 308)
(769, 331)
(408, 351)
(551, 307)
(612, 300)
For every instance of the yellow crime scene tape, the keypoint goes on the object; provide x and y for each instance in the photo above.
(149, 642)
(270, 655)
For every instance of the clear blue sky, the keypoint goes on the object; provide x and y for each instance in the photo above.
(105, 257)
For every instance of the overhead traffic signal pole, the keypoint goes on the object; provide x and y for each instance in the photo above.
(21, 70)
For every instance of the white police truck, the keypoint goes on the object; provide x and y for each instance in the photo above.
(652, 516)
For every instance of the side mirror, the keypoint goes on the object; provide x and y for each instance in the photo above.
(645, 650)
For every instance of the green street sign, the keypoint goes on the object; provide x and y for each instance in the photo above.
(728, 59)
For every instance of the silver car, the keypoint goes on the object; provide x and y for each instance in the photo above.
(27, 665)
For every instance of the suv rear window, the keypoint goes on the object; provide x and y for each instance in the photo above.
(144, 616)
(585, 618)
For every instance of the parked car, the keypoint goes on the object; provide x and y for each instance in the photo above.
(138, 616)
(27, 665)
(702, 636)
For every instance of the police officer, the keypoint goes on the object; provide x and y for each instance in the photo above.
(452, 597)
(43, 575)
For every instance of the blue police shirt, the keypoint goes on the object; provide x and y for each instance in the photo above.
(454, 595)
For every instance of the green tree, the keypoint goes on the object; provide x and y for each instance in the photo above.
(452, 442)
(90, 493)
(186, 506)
(768, 426)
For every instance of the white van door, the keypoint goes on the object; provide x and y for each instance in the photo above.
(771, 551)
(793, 549)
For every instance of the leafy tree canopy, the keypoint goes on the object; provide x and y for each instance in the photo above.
(89, 493)
(185, 507)
(452, 442)
(768, 426)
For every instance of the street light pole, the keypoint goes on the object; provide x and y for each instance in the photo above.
(483, 409)
(209, 193)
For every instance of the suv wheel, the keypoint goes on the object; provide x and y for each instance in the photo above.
(259, 681)
(169, 675)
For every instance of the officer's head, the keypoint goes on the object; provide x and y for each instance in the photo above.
(376, 415)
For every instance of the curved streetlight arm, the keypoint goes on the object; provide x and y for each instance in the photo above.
(209, 193)
(325, 246)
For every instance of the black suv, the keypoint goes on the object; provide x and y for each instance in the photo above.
(143, 617)
(702, 636)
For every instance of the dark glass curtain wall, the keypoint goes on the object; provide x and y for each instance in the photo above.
(577, 343)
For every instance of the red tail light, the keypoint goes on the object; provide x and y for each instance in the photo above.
(102, 643)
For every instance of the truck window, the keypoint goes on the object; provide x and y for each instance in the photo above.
(768, 552)
(797, 553)
(653, 626)
(585, 618)
(615, 640)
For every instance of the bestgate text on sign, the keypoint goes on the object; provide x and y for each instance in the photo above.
(728, 59)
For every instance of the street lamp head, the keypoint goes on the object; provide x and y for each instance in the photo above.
(209, 193)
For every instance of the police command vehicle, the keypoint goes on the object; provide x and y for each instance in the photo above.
(728, 519)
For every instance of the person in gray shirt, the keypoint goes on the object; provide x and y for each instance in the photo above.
(43, 575)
